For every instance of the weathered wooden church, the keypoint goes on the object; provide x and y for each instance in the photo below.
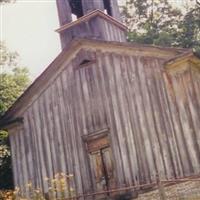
(112, 113)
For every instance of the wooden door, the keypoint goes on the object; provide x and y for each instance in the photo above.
(98, 171)
(102, 169)
(108, 167)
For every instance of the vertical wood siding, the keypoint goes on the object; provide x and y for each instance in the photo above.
(152, 116)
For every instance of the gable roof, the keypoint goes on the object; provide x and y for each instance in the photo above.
(51, 72)
(90, 15)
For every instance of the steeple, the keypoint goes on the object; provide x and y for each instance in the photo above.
(95, 19)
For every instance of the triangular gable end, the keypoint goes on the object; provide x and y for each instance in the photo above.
(95, 25)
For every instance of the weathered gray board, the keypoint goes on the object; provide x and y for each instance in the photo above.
(152, 117)
(95, 28)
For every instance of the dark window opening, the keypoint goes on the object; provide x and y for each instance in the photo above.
(107, 6)
(86, 62)
(76, 7)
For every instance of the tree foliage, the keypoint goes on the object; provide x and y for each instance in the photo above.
(145, 15)
(13, 81)
(157, 22)
(189, 29)
(12, 85)
(6, 179)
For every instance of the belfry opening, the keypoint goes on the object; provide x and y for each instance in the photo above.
(107, 7)
(76, 8)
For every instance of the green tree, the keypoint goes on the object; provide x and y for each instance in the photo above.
(157, 22)
(151, 21)
(189, 29)
(13, 81)
(150, 14)
(6, 179)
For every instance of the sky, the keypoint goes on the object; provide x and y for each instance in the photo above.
(28, 27)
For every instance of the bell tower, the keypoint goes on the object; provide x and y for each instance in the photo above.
(91, 19)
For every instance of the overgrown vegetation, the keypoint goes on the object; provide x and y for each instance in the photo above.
(58, 187)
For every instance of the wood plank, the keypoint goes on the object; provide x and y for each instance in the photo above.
(72, 121)
(69, 146)
(13, 157)
(40, 144)
(140, 121)
(23, 161)
(164, 120)
(172, 122)
(195, 82)
(45, 138)
(180, 141)
(112, 70)
(180, 95)
(80, 124)
(103, 79)
(30, 156)
(146, 126)
(58, 128)
(51, 130)
(33, 135)
(186, 83)
(18, 162)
